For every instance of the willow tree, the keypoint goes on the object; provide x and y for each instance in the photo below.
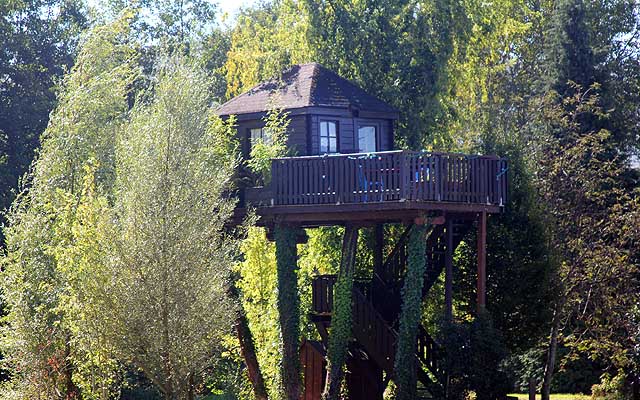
(38, 340)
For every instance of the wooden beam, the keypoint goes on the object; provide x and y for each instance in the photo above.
(448, 272)
(482, 261)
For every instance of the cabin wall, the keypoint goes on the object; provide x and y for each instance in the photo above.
(296, 134)
(303, 134)
(348, 132)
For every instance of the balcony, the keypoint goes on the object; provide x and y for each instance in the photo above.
(398, 183)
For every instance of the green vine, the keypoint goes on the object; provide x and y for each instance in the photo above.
(288, 308)
(342, 318)
(405, 364)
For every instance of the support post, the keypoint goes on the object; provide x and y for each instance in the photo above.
(532, 389)
(288, 308)
(405, 366)
(448, 272)
(341, 320)
(482, 261)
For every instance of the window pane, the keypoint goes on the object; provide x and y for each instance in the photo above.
(256, 135)
(267, 137)
(332, 129)
(367, 139)
(328, 137)
(324, 145)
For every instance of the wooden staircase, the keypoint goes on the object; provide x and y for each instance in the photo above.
(376, 309)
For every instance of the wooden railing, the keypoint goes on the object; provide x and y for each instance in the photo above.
(372, 330)
(389, 176)
(322, 294)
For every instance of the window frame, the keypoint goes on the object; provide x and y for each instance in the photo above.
(263, 136)
(337, 137)
(363, 123)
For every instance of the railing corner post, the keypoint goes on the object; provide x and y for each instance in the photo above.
(403, 176)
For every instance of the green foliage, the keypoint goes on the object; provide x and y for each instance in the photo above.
(39, 40)
(274, 145)
(579, 163)
(171, 24)
(170, 255)
(612, 387)
(265, 40)
(397, 50)
(568, 53)
(258, 288)
(91, 111)
(486, 377)
(405, 365)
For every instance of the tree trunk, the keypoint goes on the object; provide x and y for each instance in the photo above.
(248, 350)
(190, 389)
(247, 346)
(405, 361)
(72, 391)
(341, 318)
(551, 355)
(288, 308)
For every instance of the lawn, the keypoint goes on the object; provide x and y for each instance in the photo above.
(559, 396)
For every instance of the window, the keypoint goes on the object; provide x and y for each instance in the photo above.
(367, 139)
(260, 135)
(328, 137)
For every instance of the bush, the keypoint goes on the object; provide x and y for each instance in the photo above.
(488, 352)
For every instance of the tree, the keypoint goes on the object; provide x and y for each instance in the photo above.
(169, 258)
(92, 108)
(266, 40)
(593, 218)
(397, 50)
(39, 39)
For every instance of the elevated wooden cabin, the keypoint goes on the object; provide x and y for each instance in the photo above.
(346, 170)
(329, 114)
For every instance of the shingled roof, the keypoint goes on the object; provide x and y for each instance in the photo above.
(305, 85)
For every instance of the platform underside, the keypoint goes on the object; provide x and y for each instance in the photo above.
(313, 215)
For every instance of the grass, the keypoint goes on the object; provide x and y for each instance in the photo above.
(559, 396)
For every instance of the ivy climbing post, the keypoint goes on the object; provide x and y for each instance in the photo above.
(288, 307)
(405, 361)
(341, 319)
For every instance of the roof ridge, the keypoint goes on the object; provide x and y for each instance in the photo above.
(314, 81)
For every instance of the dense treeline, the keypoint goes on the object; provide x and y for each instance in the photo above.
(112, 287)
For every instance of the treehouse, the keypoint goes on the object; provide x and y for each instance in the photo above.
(347, 172)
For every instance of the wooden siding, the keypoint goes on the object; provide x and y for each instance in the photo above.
(296, 134)
(303, 136)
(348, 133)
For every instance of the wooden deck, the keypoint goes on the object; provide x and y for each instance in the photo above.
(384, 186)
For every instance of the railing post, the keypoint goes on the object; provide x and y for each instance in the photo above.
(404, 176)
(275, 181)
